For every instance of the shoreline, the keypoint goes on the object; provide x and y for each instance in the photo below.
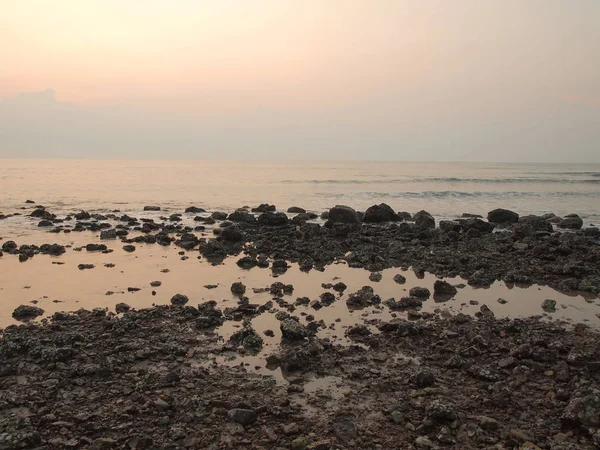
(237, 363)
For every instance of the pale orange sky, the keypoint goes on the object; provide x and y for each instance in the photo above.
(383, 64)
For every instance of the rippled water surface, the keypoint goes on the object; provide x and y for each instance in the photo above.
(444, 189)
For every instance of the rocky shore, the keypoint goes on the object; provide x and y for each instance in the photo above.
(148, 380)
(164, 377)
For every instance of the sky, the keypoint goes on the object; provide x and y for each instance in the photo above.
(422, 80)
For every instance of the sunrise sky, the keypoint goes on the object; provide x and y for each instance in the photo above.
(333, 79)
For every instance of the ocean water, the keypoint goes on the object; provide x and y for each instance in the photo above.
(443, 189)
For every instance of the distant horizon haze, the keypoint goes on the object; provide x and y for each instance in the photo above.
(399, 80)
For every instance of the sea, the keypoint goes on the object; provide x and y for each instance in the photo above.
(444, 189)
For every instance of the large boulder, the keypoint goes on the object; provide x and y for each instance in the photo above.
(380, 213)
(502, 216)
(343, 214)
(443, 288)
(231, 234)
(296, 210)
(424, 220)
(272, 219)
(571, 222)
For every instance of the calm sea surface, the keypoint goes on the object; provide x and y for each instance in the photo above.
(444, 189)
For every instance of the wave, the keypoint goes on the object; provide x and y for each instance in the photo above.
(447, 180)
(461, 194)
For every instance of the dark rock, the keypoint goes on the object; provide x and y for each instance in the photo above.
(52, 249)
(273, 219)
(400, 279)
(83, 215)
(85, 266)
(549, 305)
(242, 416)
(502, 216)
(343, 214)
(537, 223)
(264, 207)
(375, 277)
(584, 410)
(444, 288)
(108, 234)
(293, 330)
(129, 248)
(380, 213)
(179, 300)
(247, 338)
(29, 201)
(247, 262)
(218, 215)
(424, 220)
(571, 222)
(242, 216)
(9, 246)
(122, 308)
(151, 208)
(476, 224)
(362, 298)
(424, 378)
(96, 247)
(194, 210)
(339, 286)
(420, 292)
(24, 312)
(232, 234)
(45, 223)
(238, 288)
(296, 210)
(447, 226)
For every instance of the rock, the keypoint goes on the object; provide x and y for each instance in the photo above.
(362, 298)
(263, 208)
(151, 208)
(343, 214)
(476, 224)
(537, 223)
(242, 216)
(232, 234)
(45, 223)
(420, 292)
(424, 378)
(29, 201)
(296, 210)
(272, 219)
(584, 410)
(242, 416)
(122, 308)
(549, 305)
(238, 288)
(129, 248)
(108, 234)
(96, 247)
(179, 300)
(487, 423)
(9, 246)
(194, 210)
(592, 232)
(502, 216)
(375, 276)
(83, 215)
(247, 262)
(293, 330)
(443, 288)
(247, 338)
(440, 412)
(424, 220)
(339, 286)
(156, 283)
(400, 279)
(380, 213)
(218, 215)
(24, 312)
(571, 222)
